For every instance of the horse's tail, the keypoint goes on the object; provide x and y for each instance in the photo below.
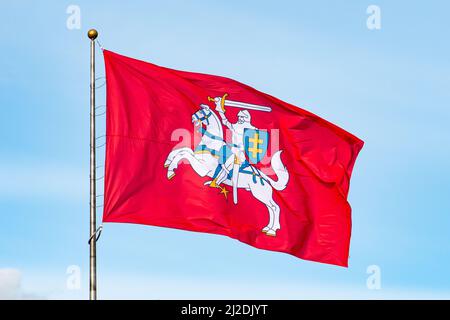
(280, 171)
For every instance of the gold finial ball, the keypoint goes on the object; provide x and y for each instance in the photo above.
(92, 34)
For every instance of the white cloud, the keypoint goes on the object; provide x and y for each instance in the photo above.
(11, 286)
(10, 282)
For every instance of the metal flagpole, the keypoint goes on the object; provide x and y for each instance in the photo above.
(92, 34)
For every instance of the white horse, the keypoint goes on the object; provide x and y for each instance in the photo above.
(205, 161)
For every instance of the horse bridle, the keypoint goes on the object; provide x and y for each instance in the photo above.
(204, 117)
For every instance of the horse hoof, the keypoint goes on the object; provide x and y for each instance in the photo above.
(171, 175)
(166, 165)
(265, 229)
(271, 233)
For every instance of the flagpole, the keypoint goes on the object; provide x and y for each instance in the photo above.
(92, 34)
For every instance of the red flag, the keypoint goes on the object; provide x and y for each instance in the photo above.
(209, 154)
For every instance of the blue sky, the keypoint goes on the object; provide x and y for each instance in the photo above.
(389, 87)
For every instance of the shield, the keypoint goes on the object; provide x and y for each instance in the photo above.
(255, 144)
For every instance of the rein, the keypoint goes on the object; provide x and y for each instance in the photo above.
(204, 132)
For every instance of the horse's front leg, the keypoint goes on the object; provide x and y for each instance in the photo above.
(172, 155)
(180, 154)
(195, 163)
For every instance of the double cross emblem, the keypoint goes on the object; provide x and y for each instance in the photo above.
(255, 144)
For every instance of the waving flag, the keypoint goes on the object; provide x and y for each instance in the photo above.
(209, 154)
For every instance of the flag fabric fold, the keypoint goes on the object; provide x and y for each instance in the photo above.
(209, 154)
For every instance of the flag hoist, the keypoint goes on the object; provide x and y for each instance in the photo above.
(92, 34)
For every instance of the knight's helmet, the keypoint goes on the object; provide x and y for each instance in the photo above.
(245, 114)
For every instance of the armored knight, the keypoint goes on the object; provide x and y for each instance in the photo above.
(232, 163)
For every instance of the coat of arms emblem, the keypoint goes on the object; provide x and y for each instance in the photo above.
(234, 163)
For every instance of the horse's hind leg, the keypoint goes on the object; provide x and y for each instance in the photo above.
(271, 218)
(264, 194)
(276, 215)
(274, 221)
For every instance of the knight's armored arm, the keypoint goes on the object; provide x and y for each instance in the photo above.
(225, 120)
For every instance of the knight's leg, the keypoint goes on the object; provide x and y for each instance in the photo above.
(213, 183)
(225, 170)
